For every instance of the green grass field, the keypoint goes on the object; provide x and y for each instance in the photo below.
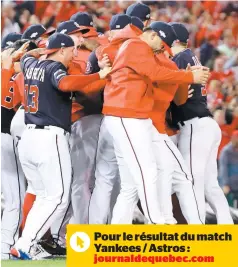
(45, 263)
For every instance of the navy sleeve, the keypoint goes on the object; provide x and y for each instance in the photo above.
(57, 72)
(27, 61)
(181, 62)
(92, 64)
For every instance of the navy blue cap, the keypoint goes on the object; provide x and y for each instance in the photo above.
(33, 32)
(139, 10)
(137, 22)
(68, 27)
(57, 41)
(119, 21)
(83, 19)
(181, 31)
(165, 32)
(10, 39)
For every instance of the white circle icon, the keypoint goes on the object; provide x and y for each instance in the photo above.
(79, 241)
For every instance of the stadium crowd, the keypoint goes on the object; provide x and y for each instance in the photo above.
(213, 28)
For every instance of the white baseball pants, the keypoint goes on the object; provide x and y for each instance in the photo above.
(174, 175)
(18, 124)
(13, 189)
(45, 158)
(198, 143)
(107, 183)
(132, 140)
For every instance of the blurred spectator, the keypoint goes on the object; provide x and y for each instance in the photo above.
(228, 45)
(228, 168)
(8, 15)
(207, 49)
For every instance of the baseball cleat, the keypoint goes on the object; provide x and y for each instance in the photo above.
(53, 247)
(19, 254)
(39, 253)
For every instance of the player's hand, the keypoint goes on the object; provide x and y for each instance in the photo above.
(200, 76)
(196, 67)
(104, 72)
(7, 58)
(36, 52)
(91, 45)
(104, 62)
(226, 189)
(21, 51)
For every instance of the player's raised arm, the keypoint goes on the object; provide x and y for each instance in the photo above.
(77, 82)
(137, 56)
(61, 49)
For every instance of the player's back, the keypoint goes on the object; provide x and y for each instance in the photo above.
(10, 98)
(196, 106)
(45, 104)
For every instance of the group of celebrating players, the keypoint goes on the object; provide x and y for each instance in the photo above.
(95, 124)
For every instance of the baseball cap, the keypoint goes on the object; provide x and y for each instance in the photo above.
(119, 21)
(139, 10)
(70, 26)
(181, 31)
(83, 19)
(165, 32)
(10, 39)
(137, 22)
(33, 32)
(57, 41)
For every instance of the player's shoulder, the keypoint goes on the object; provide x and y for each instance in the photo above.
(183, 55)
(135, 46)
(52, 65)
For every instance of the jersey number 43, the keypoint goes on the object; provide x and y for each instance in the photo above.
(31, 98)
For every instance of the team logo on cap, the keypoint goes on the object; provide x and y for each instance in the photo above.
(89, 67)
(34, 34)
(76, 24)
(162, 33)
(118, 26)
(91, 23)
(62, 44)
(147, 16)
(9, 43)
(63, 31)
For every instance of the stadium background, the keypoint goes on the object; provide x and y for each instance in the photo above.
(213, 27)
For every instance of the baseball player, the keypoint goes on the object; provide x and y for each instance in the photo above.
(12, 178)
(199, 136)
(127, 117)
(86, 121)
(58, 229)
(173, 172)
(107, 175)
(140, 11)
(163, 95)
(10, 39)
(47, 166)
(37, 34)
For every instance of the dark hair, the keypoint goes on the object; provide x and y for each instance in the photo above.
(229, 116)
(146, 29)
(17, 45)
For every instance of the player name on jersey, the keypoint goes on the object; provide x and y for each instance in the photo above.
(35, 74)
